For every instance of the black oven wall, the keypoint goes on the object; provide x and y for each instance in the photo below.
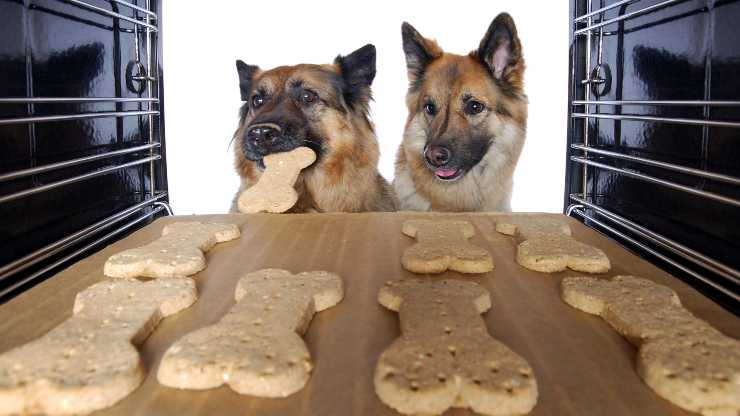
(81, 144)
(658, 157)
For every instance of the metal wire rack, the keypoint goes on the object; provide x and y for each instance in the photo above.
(141, 21)
(598, 157)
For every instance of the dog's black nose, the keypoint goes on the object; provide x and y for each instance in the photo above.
(438, 155)
(263, 133)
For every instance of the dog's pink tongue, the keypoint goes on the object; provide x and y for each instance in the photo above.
(445, 173)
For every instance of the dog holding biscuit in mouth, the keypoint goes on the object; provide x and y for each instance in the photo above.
(466, 124)
(324, 108)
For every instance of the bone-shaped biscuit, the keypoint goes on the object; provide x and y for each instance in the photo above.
(445, 356)
(274, 190)
(442, 246)
(546, 245)
(178, 252)
(88, 362)
(255, 348)
(682, 358)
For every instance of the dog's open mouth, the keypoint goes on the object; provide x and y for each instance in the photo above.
(447, 173)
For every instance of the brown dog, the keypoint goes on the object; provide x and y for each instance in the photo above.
(466, 124)
(325, 108)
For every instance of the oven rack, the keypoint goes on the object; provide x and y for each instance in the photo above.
(147, 210)
(40, 262)
(587, 31)
(146, 22)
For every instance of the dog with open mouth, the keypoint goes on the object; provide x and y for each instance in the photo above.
(322, 107)
(466, 124)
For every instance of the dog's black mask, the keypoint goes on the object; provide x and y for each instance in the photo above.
(452, 159)
(276, 130)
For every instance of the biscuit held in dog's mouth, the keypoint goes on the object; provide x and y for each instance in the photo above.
(261, 164)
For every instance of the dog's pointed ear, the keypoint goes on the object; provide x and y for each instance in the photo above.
(419, 51)
(358, 71)
(501, 51)
(246, 75)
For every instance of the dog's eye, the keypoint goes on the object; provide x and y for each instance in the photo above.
(258, 100)
(430, 109)
(473, 107)
(308, 97)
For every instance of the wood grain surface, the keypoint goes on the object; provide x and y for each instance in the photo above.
(582, 366)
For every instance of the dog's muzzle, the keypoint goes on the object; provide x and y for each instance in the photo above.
(439, 160)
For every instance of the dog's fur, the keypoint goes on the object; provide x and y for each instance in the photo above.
(485, 146)
(334, 124)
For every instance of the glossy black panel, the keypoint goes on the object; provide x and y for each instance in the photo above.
(14, 147)
(724, 154)
(51, 48)
(686, 51)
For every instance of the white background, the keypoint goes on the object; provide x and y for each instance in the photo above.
(202, 100)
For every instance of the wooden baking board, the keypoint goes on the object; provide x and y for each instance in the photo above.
(582, 366)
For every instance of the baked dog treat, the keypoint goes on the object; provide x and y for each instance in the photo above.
(88, 362)
(445, 356)
(274, 191)
(682, 358)
(178, 252)
(442, 246)
(255, 348)
(546, 245)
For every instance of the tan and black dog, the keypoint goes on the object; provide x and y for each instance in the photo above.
(466, 125)
(325, 108)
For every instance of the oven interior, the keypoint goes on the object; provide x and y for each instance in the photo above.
(653, 144)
